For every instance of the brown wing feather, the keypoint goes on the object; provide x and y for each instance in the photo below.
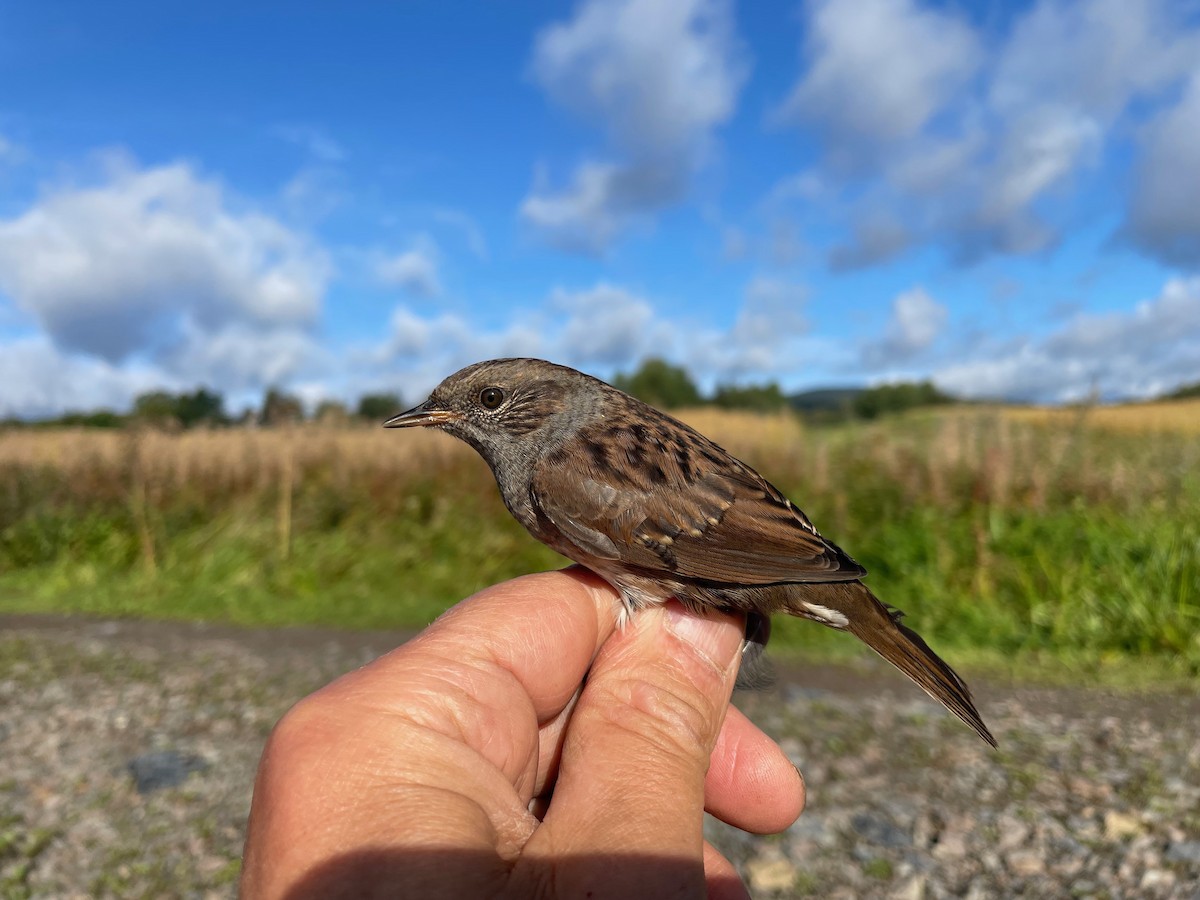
(662, 497)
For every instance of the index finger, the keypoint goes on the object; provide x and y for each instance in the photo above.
(494, 666)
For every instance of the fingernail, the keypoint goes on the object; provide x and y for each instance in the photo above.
(717, 639)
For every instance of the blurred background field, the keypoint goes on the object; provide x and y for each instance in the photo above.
(1046, 540)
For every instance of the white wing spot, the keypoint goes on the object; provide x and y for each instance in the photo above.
(827, 615)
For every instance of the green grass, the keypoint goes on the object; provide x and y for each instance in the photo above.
(357, 569)
(1033, 550)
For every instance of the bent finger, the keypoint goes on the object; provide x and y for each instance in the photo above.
(751, 783)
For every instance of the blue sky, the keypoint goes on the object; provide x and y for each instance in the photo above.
(354, 197)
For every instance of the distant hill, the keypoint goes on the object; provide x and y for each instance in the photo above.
(834, 399)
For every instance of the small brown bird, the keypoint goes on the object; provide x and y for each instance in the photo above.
(659, 511)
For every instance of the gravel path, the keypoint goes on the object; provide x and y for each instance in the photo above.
(127, 752)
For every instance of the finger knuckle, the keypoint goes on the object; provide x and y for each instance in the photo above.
(667, 719)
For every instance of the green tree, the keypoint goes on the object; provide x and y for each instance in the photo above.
(894, 398)
(100, 418)
(155, 407)
(758, 397)
(280, 409)
(659, 383)
(200, 407)
(378, 406)
(1184, 392)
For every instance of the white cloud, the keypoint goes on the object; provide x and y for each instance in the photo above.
(608, 328)
(764, 339)
(603, 201)
(656, 74)
(105, 269)
(880, 70)
(877, 236)
(772, 310)
(1139, 353)
(242, 358)
(159, 267)
(605, 325)
(930, 137)
(414, 270)
(39, 380)
(1164, 213)
(916, 322)
(1093, 56)
(657, 77)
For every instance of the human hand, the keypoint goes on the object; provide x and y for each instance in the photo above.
(415, 776)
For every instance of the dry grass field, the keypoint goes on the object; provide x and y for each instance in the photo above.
(1057, 533)
(1181, 416)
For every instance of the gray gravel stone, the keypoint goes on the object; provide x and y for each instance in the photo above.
(1090, 794)
(163, 769)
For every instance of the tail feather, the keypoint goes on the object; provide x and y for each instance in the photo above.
(880, 628)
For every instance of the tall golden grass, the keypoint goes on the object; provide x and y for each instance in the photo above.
(1165, 415)
(1005, 530)
(997, 456)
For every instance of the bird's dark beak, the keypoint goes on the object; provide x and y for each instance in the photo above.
(425, 414)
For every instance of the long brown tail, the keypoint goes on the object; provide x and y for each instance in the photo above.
(880, 628)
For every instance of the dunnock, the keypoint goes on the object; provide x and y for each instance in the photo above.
(660, 511)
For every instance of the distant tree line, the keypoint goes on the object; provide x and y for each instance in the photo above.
(1186, 392)
(655, 381)
(660, 383)
(205, 408)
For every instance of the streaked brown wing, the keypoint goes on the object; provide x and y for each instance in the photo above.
(713, 519)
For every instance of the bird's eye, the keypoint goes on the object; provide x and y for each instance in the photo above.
(490, 398)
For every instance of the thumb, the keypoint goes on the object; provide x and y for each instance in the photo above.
(638, 745)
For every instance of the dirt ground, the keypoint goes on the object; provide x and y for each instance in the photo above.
(128, 749)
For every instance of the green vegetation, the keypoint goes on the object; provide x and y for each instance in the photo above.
(377, 407)
(199, 407)
(20, 846)
(899, 397)
(1186, 392)
(1005, 541)
(659, 383)
(757, 397)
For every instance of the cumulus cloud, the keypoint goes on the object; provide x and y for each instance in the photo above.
(772, 309)
(607, 328)
(601, 203)
(37, 380)
(929, 138)
(240, 357)
(1164, 212)
(657, 77)
(876, 237)
(917, 321)
(1094, 55)
(414, 270)
(605, 325)
(880, 70)
(1140, 353)
(159, 266)
(764, 339)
